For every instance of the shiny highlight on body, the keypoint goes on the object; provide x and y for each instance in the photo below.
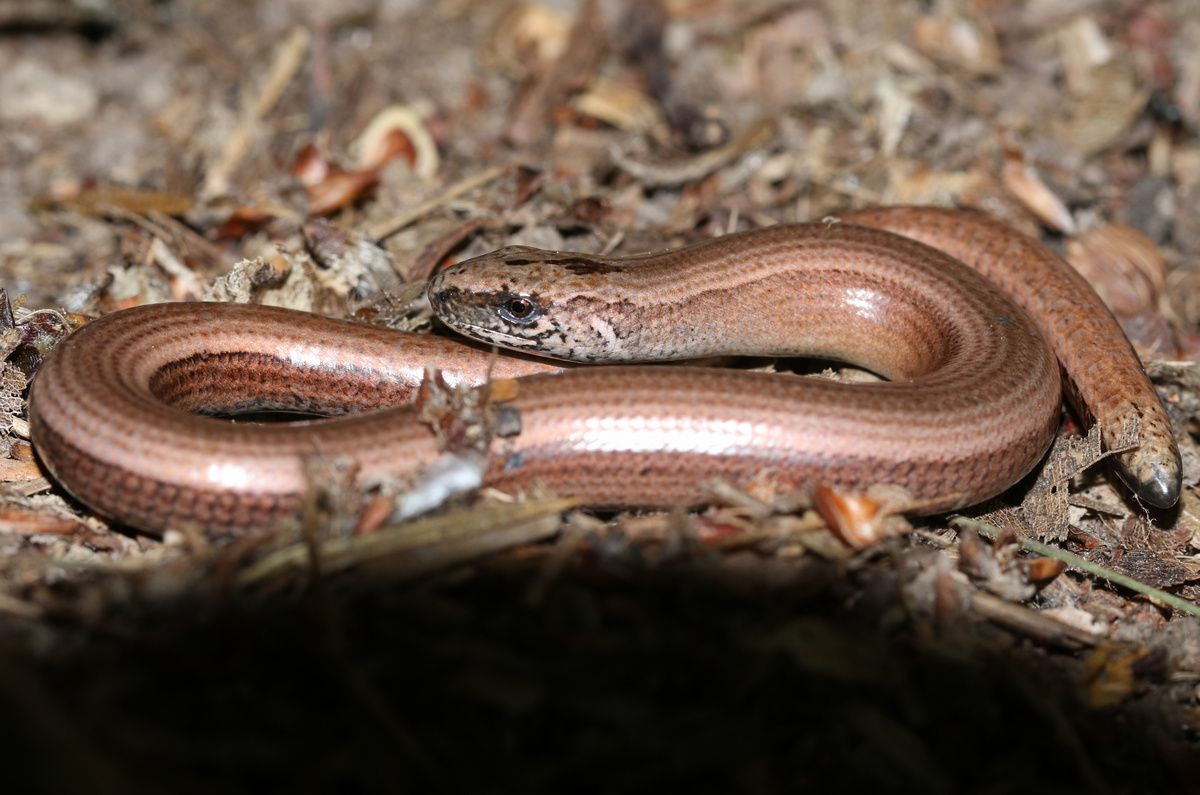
(974, 403)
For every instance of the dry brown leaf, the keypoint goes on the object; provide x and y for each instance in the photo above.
(1152, 33)
(622, 105)
(463, 419)
(310, 166)
(17, 471)
(1078, 619)
(529, 36)
(243, 221)
(965, 43)
(1023, 181)
(1185, 164)
(340, 189)
(1043, 570)
(397, 131)
(1153, 569)
(1045, 506)
(1093, 122)
(913, 183)
(1183, 295)
(858, 519)
(993, 566)
(570, 71)
(1112, 674)
(1124, 266)
(1082, 48)
(30, 522)
(98, 201)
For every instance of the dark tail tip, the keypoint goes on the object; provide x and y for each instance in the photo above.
(1156, 483)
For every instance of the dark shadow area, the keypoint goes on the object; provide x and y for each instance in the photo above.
(667, 679)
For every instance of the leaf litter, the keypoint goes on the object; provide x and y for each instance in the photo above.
(748, 645)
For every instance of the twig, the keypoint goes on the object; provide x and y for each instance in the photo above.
(570, 71)
(287, 62)
(415, 548)
(567, 545)
(400, 220)
(1031, 622)
(655, 176)
(1077, 562)
(437, 251)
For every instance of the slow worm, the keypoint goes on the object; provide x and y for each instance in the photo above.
(972, 404)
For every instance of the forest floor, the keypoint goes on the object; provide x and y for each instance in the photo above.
(342, 151)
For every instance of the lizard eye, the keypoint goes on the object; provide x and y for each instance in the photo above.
(519, 309)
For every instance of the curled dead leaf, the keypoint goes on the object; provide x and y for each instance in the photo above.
(996, 567)
(1041, 571)
(1022, 181)
(329, 186)
(1183, 293)
(397, 131)
(376, 513)
(1124, 266)
(860, 520)
(1082, 47)
(392, 144)
(340, 189)
(1096, 120)
(243, 221)
(310, 167)
(22, 451)
(965, 43)
(625, 107)
(529, 36)
(1112, 674)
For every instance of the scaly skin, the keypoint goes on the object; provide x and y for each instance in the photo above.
(978, 407)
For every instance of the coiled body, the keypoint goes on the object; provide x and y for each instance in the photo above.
(973, 407)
